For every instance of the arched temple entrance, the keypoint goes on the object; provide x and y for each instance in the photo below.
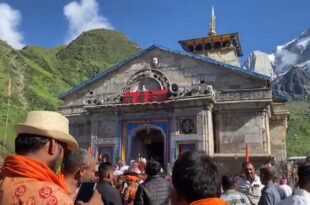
(148, 143)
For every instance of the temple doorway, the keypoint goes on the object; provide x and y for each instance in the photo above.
(148, 143)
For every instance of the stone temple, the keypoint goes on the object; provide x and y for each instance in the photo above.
(161, 102)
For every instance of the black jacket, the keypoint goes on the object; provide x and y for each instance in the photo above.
(154, 191)
(110, 196)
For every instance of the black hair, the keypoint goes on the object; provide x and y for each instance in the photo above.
(29, 143)
(195, 176)
(104, 169)
(76, 160)
(227, 182)
(304, 174)
(152, 167)
(244, 164)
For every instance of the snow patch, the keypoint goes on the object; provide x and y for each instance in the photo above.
(303, 43)
(271, 57)
(285, 59)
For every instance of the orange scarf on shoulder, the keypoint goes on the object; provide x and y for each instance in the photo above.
(210, 201)
(21, 166)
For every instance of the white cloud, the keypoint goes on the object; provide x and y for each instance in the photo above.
(9, 22)
(84, 16)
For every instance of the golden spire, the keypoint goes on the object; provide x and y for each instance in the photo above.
(212, 31)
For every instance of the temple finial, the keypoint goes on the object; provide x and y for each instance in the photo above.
(212, 31)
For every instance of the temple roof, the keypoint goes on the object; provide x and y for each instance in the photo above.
(182, 53)
(225, 38)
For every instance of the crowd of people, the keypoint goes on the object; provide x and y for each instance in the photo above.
(49, 168)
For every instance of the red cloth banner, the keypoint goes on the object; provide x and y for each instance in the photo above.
(145, 96)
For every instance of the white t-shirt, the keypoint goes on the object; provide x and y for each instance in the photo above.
(252, 190)
(300, 197)
(287, 189)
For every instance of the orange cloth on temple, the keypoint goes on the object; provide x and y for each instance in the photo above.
(210, 201)
(27, 181)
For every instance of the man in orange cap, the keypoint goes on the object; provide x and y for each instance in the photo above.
(29, 177)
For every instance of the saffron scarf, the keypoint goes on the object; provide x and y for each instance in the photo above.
(21, 166)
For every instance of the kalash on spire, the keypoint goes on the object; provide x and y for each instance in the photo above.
(212, 24)
(225, 48)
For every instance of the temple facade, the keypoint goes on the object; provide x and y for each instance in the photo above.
(161, 103)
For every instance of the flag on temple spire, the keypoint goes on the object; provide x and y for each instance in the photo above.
(247, 153)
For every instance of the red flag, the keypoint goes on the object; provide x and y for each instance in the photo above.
(247, 153)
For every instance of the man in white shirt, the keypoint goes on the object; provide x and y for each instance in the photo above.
(250, 184)
(300, 196)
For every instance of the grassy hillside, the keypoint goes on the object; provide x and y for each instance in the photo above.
(39, 75)
(298, 136)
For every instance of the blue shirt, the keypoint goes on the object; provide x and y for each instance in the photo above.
(270, 195)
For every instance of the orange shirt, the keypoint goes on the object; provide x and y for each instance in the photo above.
(27, 191)
(210, 201)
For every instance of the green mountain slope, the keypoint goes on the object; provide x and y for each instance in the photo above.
(298, 136)
(39, 75)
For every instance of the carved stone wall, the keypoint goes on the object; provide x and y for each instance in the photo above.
(184, 71)
(80, 129)
(227, 56)
(278, 130)
(239, 95)
(106, 129)
(236, 128)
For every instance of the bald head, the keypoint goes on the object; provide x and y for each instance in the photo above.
(267, 174)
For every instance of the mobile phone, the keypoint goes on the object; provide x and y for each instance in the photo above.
(85, 192)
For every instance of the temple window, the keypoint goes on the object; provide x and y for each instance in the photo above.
(208, 46)
(217, 45)
(199, 47)
(191, 48)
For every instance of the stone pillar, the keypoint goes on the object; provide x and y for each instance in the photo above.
(210, 135)
(173, 132)
(93, 131)
(207, 131)
(266, 116)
